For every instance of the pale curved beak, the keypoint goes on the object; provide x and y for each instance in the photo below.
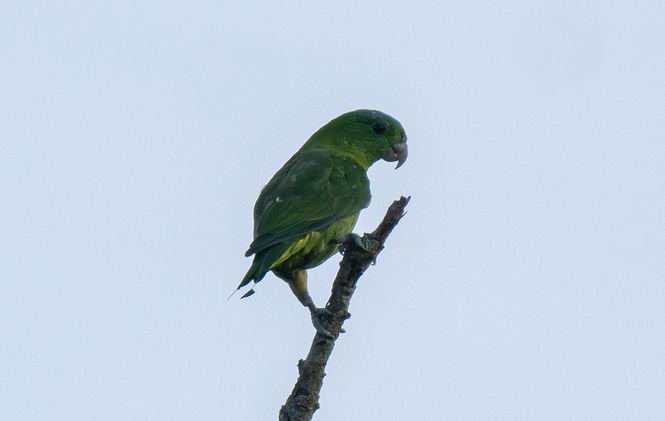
(397, 152)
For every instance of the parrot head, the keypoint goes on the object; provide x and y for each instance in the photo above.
(368, 135)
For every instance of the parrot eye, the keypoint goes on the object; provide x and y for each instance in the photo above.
(379, 128)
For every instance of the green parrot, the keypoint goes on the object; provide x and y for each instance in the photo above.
(312, 203)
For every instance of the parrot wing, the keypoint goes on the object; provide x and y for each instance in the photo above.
(312, 190)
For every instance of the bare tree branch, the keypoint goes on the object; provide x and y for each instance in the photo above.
(304, 398)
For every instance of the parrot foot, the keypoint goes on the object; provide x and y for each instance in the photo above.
(347, 316)
(351, 238)
(362, 243)
(319, 316)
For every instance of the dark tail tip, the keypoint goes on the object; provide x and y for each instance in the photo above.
(248, 293)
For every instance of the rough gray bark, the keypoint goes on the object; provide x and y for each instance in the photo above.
(304, 398)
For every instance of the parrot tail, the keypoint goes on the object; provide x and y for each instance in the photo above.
(262, 264)
(256, 272)
(253, 274)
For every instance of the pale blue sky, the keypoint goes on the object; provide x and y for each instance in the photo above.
(527, 281)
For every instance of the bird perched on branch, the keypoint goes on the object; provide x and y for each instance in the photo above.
(312, 203)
